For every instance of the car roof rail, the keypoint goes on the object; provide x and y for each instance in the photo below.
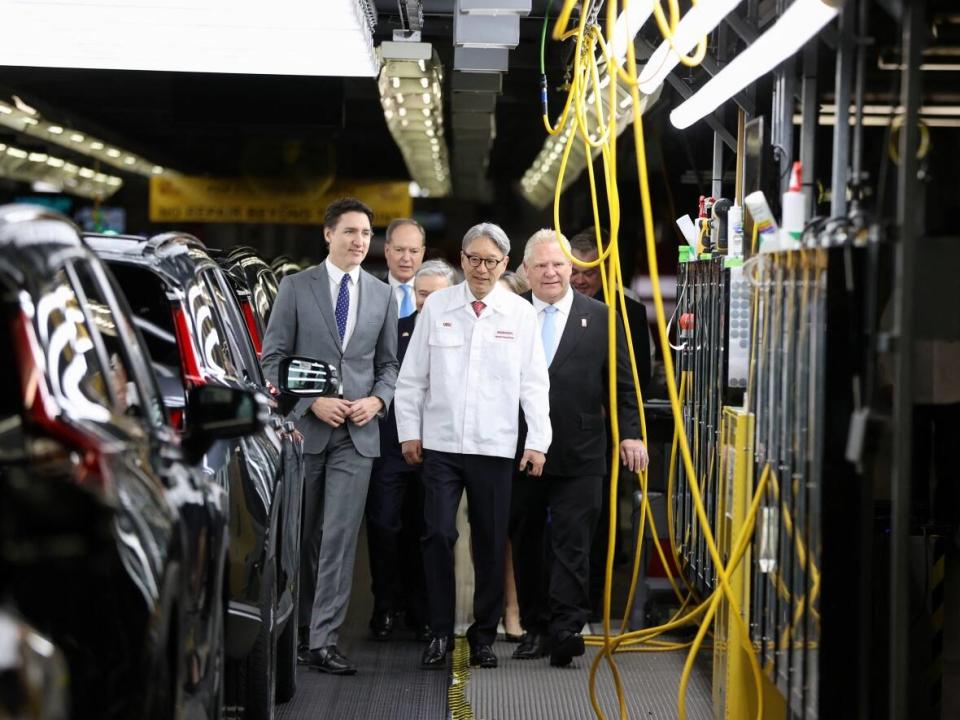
(16, 213)
(168, 240)
(115, 236)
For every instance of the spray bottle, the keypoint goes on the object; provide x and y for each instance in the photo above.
(794, 215)
(735, 231)
(766, 225)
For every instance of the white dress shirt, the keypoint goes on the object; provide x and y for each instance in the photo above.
(397, 288)
(336, 274)
(563, 306)
(464, 379)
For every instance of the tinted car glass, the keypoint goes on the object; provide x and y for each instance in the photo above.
(153, 315)
(75, 370)
(152, 312)
(132, 394)
(11, 397)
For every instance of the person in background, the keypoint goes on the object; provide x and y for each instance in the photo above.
(395, 500)
(553, 581)
(403, 250)
(587, 281)
(474, 361)
(341, 314)
(514, 282)
(517, 284)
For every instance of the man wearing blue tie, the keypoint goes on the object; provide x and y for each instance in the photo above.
(342, 314)
(404, 253)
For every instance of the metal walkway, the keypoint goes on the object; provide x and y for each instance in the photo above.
(390, 684)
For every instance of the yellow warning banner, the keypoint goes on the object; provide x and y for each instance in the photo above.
(180, 198)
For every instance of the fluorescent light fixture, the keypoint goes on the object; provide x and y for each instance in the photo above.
(801, 21)
(539, 182)
(700, 20)
(45, 170)
(282, 37)
(415, 119)
(32, 123)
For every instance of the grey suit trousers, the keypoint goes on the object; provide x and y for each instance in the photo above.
(335, 494)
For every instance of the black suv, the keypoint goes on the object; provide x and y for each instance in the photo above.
(183, 303)
(111, 544)
(257, 286)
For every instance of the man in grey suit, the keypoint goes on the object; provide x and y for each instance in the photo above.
(341, 314)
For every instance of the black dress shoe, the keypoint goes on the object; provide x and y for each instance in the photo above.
(565, 647)
(329, 660)
(381, 625)
(483, 655)
(436, 653)
(531, 647)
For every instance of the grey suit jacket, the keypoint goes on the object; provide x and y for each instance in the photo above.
(302, 323)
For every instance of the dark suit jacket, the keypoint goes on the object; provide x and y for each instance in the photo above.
(578, 392)
(637, 316)
(389, 440)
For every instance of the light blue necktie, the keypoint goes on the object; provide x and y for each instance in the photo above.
(343, 306)
(406, 305)
(548, 332)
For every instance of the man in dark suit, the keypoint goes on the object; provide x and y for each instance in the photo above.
(339, 313)
(552, 581)
(588, 281)
(395, 500)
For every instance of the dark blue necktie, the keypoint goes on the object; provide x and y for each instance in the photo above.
(343, 305)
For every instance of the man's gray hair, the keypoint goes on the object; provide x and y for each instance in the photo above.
(437, 268)
(489, 230)
(400, 222)
(543, 237)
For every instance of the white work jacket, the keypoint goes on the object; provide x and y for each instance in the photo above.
(465, 378)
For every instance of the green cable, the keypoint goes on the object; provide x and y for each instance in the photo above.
(544, 103)
(543, 38)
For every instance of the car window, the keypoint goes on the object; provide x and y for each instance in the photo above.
(236, 328)
(135, 344)
(146, 294)
(11, 391)
(74, 367)
(135, 392)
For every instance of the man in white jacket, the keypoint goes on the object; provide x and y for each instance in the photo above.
(474, 361)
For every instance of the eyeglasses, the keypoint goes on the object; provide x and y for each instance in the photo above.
(475, 261)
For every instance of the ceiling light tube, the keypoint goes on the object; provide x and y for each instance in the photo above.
(801, 21)
(699, 21)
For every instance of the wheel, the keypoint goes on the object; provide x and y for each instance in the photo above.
(258, 677)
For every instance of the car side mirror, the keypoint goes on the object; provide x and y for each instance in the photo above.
(306, 377)
(216, 412)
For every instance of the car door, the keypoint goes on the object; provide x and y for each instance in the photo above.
(288, 467)
(200, 506)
